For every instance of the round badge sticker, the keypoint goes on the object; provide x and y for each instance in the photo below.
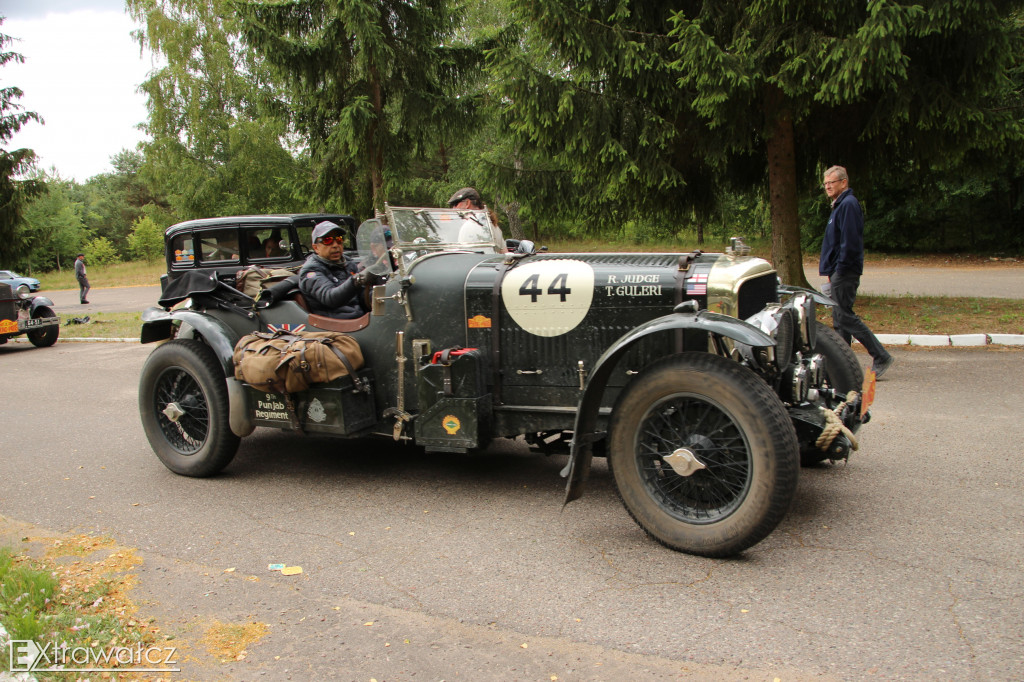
(549, 297)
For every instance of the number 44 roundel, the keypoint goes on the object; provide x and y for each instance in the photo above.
(550, 297)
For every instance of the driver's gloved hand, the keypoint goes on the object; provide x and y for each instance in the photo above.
(360, 278)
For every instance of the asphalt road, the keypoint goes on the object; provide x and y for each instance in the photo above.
(896, 279)
(905, 563)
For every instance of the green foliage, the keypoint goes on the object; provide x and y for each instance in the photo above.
(146, 240)
(24, 595)
(217, 146)
(53, 226)
(372, 86)
(14, 192)
(113, 201)
(660, 109)
(100, 251)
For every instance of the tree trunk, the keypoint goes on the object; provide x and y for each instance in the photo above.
(511, 208)
(515, 223)
(781, 151)
(443, 151)
(376, 149)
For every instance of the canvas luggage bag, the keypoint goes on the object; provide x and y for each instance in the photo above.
(253, 279)
(286, 362)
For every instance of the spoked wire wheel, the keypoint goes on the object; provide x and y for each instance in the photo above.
(182, 410)
(183, 403)
(693, 458)
(704, 454)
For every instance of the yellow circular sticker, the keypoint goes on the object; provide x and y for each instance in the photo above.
(451, 424)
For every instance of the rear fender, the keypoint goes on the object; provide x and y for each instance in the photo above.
(584, 433)
(157, 325)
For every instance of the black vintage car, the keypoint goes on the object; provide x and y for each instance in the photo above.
(27, 314)
(222, 246)
(703, 381)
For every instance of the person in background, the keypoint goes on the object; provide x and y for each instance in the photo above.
(468, 198)
(842, 263)
(83, 280)
(272, 247)
(325, 281)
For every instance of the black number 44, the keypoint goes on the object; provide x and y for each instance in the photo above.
(531, 287)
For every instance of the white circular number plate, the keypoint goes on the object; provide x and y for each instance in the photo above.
(550, 297)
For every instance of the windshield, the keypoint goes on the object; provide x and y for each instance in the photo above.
(434, 228)
(373, 241)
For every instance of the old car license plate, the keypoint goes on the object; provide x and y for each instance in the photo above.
(33, 322)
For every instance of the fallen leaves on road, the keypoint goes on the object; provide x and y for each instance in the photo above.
(229, 642)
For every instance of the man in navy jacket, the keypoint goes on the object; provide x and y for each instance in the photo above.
(325, 281)
(842, 262)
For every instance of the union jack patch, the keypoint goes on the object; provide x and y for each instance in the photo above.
(291, 328)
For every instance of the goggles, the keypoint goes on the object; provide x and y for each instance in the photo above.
(328, 240)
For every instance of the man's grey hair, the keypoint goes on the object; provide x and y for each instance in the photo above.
(838, 171)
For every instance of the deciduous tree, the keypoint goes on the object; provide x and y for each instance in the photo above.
(52, 225)
(217, 148)
(14, 163)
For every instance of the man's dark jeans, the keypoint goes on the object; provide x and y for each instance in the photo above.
(846, 322)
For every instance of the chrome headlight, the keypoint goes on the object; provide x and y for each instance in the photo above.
(778, 323)
(802, 306)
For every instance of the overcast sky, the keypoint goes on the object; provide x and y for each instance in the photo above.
(81, 74)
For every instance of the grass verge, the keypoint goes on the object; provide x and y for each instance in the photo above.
(937, 314)
(117, 275)
(102, 326)
(76, 608)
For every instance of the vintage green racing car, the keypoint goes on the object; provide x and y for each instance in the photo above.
(704, 382)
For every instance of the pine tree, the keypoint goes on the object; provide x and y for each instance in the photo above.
(371, 85)
(657, 108)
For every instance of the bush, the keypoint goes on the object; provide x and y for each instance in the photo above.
(100, 251)
(146, 239)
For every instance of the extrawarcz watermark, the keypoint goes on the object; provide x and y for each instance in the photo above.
(26, 656)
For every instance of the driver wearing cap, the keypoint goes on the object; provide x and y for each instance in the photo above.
(325, 281)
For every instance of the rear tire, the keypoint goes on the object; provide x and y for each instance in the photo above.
(46, 337)
(842, 372)
(183, 403)
(728, 419)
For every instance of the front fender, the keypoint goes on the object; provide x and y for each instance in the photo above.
(819, 298)
(40, 302)
(584, 433)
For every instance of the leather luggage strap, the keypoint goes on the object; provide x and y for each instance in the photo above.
(359, 383)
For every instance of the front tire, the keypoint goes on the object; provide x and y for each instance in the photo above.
(842, 372)
(46, 337)
(712, 411)
(183, 402)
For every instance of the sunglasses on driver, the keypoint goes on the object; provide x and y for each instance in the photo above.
(328, 240)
